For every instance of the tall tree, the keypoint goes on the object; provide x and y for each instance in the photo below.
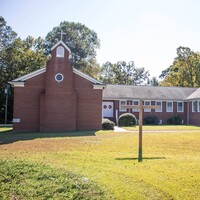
(7, 35)
(123, 73)
(153, 81)
(185, 70)
(17, 57)
(82, 41)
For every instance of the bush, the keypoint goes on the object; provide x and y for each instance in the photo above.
(151, 120)
(175, 120)
(107, 124)
(127, 119)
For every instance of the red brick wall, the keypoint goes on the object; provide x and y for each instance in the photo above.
(50, 106)
(27, 104)
(89, 104)
(58, 111)
(194, 117)
(161, 115)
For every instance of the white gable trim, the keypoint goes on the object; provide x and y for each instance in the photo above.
(61, 42)
(18, 82)
(30, 75)
(99, 87)
(85, 76)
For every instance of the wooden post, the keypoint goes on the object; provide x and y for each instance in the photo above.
(140, 132)
(141, 107)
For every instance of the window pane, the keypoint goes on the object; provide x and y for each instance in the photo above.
(147, 103)
(180, 107)
(158, 103)
(60, 52)
(169, 107)
(135, 103)
(122, 103)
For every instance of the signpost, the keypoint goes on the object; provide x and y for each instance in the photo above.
(141, 107)
(6, 105)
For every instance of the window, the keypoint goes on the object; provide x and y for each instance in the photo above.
(180, 107)
(122, 103)
(159, 104)
(60, 52)
(147, 103)
(199, 106)
(194, 108)
(59, 77)
(169, 106)
(135, 103)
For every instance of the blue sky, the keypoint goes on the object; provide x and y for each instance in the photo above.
(145, 31)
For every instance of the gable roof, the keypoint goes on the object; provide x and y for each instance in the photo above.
(20, 81)
(116, 92)
(194, 95)
(61, 42)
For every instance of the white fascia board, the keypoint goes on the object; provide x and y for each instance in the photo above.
(30, 75)
(61, 42)
(85, 76)
(193, 99)
(163, 100)
(99, 87)
(16, 84)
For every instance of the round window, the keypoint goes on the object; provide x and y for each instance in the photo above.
(59, 77)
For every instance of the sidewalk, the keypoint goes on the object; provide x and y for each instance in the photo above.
(118, 129)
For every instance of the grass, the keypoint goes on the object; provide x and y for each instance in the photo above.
(170, 168)
(22, 180)
(164, 128)
(5, 129)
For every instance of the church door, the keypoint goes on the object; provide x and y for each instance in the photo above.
(107, 109)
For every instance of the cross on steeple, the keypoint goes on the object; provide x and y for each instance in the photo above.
(61, 34)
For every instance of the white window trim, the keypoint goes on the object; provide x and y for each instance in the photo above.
(62, 77)
(135, 109)
(147, 109)
(120, 109)
(193, 107)
(182, 106)
(167, 110)
(198, 106)
(160, 110)
(60, 52)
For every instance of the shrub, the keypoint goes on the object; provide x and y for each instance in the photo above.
(151, 120)
(175, 120)
(127, 119)
(107, 124)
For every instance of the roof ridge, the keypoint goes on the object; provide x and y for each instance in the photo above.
(152, 86)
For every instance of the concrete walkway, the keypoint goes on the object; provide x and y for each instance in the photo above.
(119, 129)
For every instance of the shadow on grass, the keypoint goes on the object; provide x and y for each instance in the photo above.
(7, 137)
(144, 158)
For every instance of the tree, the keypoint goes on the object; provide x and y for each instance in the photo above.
(153, 81)
(17, 58)
(185, 70)
(81, 40)
(7, 35)
(123, 73)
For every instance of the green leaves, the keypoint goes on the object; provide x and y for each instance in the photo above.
(81, 40)
(123, 73)
(185, 70)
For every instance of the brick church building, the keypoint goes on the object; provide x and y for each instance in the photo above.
(60, 98)
(57, 97)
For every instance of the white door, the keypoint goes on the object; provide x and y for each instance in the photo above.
(107, 109)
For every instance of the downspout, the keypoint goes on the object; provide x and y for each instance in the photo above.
(188, 113)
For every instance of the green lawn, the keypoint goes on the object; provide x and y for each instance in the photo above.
(170, 168)
(3, 129)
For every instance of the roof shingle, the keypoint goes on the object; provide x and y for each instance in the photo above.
(114, 92)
